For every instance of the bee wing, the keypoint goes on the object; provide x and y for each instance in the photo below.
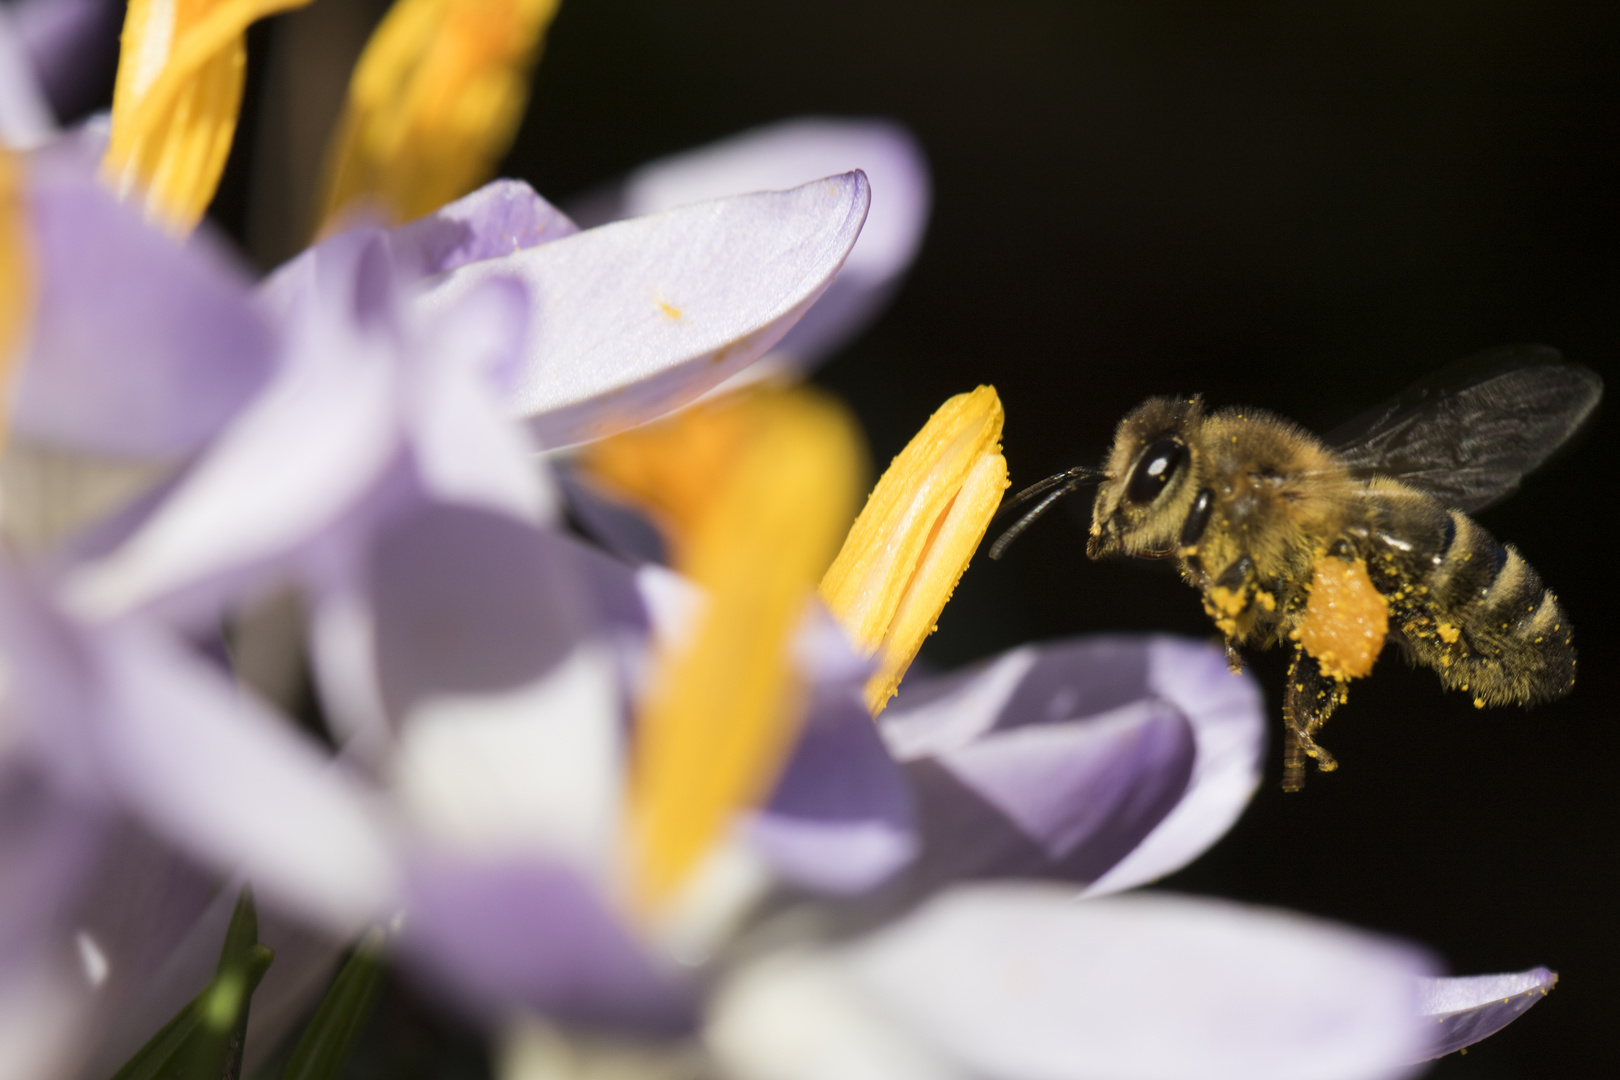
(1468, 433)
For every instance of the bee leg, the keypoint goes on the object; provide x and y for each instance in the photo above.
(1307, 703)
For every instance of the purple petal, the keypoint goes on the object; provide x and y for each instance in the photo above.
(840, 819)
(1228, 720)
(785, 155)
(73, 46)
(25, 115)
(534, 934)
(1021, 982)
(1087, 677)
(1051, 761)
(633, 319)
(166, 335)
(469, 602)
(617, 526)
(1468, 1009)
(499, 218)
(48, 846)
(320, 438)
(508, 711)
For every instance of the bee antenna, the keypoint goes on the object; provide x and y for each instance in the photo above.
(1065, 483)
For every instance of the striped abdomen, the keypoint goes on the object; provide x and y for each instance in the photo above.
(1482, 619)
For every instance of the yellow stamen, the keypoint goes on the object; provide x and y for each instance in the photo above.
(16, 289)
(755, 491)
(176, 101)
(434, 103)
(920, 527)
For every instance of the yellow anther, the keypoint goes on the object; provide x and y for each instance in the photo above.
(434, 103)
(920, 527)
(16, 287)
(175, 103)
(754, 491)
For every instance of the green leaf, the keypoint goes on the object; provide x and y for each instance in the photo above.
(204, 1040)
(330, 1033)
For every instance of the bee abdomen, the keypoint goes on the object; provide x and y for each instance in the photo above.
(1491, 628)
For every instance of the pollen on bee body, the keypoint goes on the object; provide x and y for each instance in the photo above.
(1346, 619)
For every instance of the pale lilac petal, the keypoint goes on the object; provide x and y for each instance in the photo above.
(464, 446)
(1466, 1010)
(1058, 800)
(212, 769)
(469, 602)
(499, 218)
(785, 155)
(139, 346)
(1092, 677)
(1051, 761)
(43, 1013)
(636, 318)
(25, 115)
(1228, 719)
(304, 453)
(534, 934)
(1023, 983)
(840, 819)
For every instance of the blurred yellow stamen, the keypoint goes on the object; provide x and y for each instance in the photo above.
(920, 527)
(15, 287)
(176, 101)
(434, 103)
(755, 491)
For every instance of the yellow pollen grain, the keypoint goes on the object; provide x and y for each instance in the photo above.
(434, 103)
(1227, 601)
(916, 534)
(175, 102)
(1448, 633)
(1346, 619)
(669, 309)
(754, 492)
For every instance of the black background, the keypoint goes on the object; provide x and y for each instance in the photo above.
(1298, 206)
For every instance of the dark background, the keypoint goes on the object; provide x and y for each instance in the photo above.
(1302, 207)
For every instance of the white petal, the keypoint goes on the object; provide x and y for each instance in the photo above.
(800, 1016)
(636, 318)
(466, 448)
(533, 770)
(1023, 983)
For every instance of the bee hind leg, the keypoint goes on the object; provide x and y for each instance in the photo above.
(1307, 703)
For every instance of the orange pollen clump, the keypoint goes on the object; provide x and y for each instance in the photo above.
(1346, 619)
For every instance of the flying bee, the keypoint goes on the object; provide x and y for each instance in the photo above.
(1336, 545)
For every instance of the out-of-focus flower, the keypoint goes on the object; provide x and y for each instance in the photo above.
(175, 104)
(434, 102)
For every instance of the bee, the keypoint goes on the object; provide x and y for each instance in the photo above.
(1334, 546)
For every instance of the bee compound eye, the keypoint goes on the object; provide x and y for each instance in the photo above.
(1154, 469)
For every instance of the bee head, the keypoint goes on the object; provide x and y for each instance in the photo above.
(1139, 509)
